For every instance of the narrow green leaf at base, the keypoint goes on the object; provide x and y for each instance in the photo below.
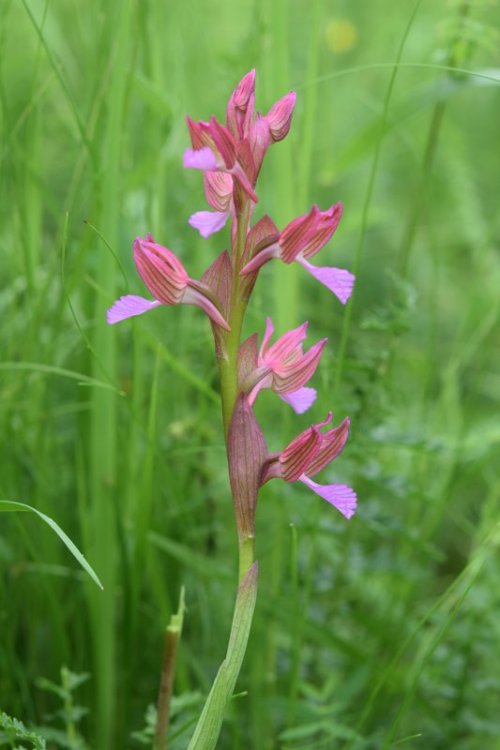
(11, 505)
(209, 725)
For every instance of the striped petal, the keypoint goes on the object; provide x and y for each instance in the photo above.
(341, 496)
(208, 222)
(337, 280)
(129, 306)
(300, 400)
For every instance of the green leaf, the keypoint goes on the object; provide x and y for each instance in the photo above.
(7, 506)
(15, 730)
(209, 725)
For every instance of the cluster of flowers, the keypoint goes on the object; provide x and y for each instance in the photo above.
(230, 158)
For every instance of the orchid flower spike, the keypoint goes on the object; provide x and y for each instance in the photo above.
(285, 368)
(236, 150)
(168, 281)
(300, 240)
(306, 455)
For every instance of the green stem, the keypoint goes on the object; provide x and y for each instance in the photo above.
(172, 636)
(209, 725)
(246, 556)
(367, 203)
(68, 708)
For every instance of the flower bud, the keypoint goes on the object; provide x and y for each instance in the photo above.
(161, 271)
(279, 116)
(239, 113)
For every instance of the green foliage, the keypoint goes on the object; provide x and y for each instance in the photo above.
(69, 714)
(375, 633)
(12, 506)
(12, 730)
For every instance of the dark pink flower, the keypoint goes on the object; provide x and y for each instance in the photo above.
(306, 455)
(300, 240)
(285, 368)
(168, 281)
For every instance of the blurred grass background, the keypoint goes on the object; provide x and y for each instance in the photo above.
(380, 632)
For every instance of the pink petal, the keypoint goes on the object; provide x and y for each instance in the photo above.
(201, 158)
(260, 259)
(287, 347)
(341, 496)
(279, 116)
(298, 454)
(332, 444)
(242, 179)
(300, 400)
(218, 190)
(247, 452)
(244, 90)
(128, 306)
(337, 280)
(194, 296)
(267, 335)
(208, 222)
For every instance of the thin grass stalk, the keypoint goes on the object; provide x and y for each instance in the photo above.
(284, 303)
(104, 424)
(309, 120)
(277, 15)
(419, 194)
(346, 322)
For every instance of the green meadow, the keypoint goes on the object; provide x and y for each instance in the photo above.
(370, 634)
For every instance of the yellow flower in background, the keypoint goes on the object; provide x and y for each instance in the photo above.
(341, 35)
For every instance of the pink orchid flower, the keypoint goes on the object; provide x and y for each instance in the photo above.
(306, 455)
(168, 281)
(285, 368)
(300, 240)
